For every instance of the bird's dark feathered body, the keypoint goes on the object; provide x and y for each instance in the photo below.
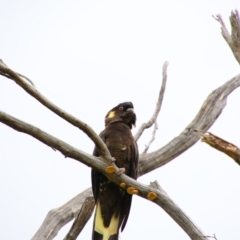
(112, 202)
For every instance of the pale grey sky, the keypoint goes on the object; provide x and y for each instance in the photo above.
(87, 56)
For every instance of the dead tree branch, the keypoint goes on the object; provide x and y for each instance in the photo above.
(172, 210)
(22, 76)
(58, 217)
(158, 105)
(209, 112)
(51, 141)
(233, 39)
(207, 115)
(223, 146)
(143, 191)
(7, 72)
(82, 218)
(155, 128)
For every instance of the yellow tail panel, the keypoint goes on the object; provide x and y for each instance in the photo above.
(101, 229)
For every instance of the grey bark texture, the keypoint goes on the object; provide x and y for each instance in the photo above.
(80, 207)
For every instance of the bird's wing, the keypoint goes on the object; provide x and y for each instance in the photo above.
(95, 174)
(133, 174)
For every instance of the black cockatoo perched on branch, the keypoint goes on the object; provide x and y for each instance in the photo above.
(112, 202)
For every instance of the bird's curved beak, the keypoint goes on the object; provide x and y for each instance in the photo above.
(130, 110)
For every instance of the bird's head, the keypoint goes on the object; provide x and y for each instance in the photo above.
(123, 112)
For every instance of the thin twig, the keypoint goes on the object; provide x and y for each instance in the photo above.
(153, 137)
(158, 105)
(214, 237)
(27, 79)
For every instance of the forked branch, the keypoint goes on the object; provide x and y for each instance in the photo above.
(207, 115)
(233, 39)
(155, 128)
(18, 79)
(58, 217)
(143, 191)
(158, 105)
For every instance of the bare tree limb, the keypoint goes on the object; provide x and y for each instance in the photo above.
(209, 112)
(173, 210)
(22, 76)
(207, 115)
(225, 33)
(26, 78)
(53, 142)
(158, 105)
(57, 218)
(232, 40)
(153, 137)
(7, 72)
(143, 191)
(82, 218)
(218, 143)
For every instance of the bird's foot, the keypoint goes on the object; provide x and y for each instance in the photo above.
(151, 196)
(110, 169)
(123, 184)
(132, 190)
(121, 171)
(113, 159)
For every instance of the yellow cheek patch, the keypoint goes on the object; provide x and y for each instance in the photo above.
(111, 114)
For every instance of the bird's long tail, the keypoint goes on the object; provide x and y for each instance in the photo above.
(100, 232)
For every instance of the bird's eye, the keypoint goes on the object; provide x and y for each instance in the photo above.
(121, 108)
